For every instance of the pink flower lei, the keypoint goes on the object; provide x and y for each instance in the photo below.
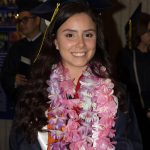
(85, 123)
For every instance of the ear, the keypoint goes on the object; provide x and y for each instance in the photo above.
(56, 44)
(38, 20)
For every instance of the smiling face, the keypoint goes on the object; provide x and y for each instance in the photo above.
(76, 41)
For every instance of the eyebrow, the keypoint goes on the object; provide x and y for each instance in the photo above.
(71, 30)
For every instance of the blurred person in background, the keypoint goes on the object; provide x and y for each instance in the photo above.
(134, 69)
(16, 68)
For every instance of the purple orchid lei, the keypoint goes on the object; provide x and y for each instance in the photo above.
(86, 123)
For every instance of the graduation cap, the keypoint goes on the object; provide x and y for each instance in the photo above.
(46, 9)
(134, 21)
(27, 5)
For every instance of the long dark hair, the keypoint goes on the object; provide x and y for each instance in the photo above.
(33, 104)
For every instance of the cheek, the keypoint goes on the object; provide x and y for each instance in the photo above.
(91, 45)
(93, 52)
(65, 45)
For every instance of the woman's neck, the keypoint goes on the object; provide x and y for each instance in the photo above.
(143, 48)
(76, 73)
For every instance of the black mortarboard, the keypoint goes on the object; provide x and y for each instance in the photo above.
(27, 5)
(135, 17)
(133, 21)
(46, 9)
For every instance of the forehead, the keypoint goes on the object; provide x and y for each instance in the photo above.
(24, 13)
(78, 20)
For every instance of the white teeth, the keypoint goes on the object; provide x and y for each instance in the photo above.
(78, 54)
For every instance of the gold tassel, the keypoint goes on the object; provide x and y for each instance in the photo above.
(55, 12)
(130, 34)
(52, 18)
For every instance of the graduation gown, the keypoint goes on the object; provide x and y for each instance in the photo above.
(127, 134)
(127, 75)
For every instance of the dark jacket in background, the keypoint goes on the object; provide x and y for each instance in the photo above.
(127, 76)
(17, 61)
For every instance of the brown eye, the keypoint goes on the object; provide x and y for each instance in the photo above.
(69, 35)
(89, 35)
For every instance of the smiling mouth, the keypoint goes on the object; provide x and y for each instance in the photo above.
(78, 54)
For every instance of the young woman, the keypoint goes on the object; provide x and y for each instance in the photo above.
(71, 102)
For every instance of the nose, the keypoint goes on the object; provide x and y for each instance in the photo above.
(81, 41)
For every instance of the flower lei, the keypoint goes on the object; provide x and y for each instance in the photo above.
(84, 123)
